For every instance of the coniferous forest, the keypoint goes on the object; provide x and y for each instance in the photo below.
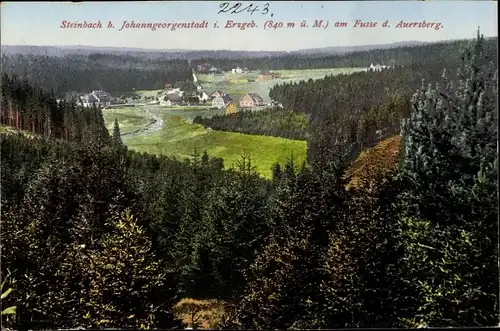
(98, 236)
(269, 122)
(401, 56)
(85, 73)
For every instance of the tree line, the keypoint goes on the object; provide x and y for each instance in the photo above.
(85, 73)
(400, 56)
(270, 122)
(30, 108)
(93, 232)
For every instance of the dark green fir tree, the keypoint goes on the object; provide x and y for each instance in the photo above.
(117, 140)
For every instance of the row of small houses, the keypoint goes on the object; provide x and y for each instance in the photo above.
(176, 96)
(218, 99)
(250, 100)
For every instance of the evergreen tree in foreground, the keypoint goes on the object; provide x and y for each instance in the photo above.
(448, 232)
(125, 284)
(284, 281)
(117, 140)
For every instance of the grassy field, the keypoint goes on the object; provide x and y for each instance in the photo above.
(188, 114)
(208, 107)
(129, 119)
(296, 74)
(237, 85)
(11, 130)
(179, 138)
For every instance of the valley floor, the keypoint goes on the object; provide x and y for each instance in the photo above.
(178, 137)
(170, 131)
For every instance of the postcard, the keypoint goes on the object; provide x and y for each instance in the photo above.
(249, 165)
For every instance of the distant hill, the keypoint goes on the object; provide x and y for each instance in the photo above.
(186, 53)
(149, 53)
(196, 54)
(347, 49)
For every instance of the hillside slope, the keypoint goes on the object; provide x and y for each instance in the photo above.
(374, 161)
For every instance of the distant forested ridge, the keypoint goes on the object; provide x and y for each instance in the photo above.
(182, 53)
(406, 55)
(85, 73)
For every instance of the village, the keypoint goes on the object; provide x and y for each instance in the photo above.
(194, 94)
(198, 94)
(190, 94)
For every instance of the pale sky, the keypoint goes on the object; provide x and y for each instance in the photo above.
(37, 23)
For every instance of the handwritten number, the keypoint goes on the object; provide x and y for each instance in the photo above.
(236, 6)
(235, 9)
(250, 10)
(266, 9)
(224, 6)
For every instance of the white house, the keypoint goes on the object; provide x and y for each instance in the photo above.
(96, 98)
(170, 99)
(237, 70)
(221, 101)
(165, 102)
(377, 67)
(217, 93)
(204, 97)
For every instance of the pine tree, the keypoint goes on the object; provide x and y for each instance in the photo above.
(277, 173)
(116, 138)
(125, 295)
(285, 278)
(232, 227)
(204, 159)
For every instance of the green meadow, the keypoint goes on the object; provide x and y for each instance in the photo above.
(130, 119)
(179, 138)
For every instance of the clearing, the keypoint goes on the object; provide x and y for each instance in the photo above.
(130, 119)
(179, 138)
(375, 161)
